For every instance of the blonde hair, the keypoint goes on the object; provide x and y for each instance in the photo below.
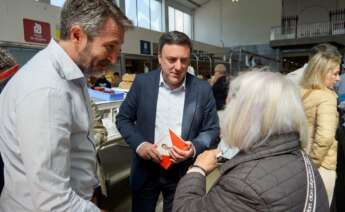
(319, 66)
(262, 104)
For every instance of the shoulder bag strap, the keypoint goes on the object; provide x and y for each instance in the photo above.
(310, 200)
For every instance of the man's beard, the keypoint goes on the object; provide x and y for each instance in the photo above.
(82, 61)
(89, 69)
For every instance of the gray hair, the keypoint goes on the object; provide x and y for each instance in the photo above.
(6, 60)
(260, 105)
(91, 16)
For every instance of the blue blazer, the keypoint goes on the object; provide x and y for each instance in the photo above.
(136, 122)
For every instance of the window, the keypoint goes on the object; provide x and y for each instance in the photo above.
(131, 10)
(180, 21)
(145, 13)
(58, 3)
(156, 15)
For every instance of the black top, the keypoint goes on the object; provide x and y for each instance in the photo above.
(220, 92)
(102, 82)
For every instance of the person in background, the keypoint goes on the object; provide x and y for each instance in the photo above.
(220, 85)
(45, 130)
(7, 69)
(338, 204)
(109, 76)
(159, 100)
(320, 106)
(297, 75)
(102, 82)
(117, 79)
(271, 172)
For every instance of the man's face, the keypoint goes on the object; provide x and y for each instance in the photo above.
(174, 61)
(103, 49)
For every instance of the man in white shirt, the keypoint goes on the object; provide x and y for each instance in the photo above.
(159, 100)
(45, 138)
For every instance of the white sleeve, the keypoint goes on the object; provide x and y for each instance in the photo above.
(43, 121)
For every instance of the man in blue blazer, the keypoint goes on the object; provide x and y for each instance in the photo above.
(159, 100)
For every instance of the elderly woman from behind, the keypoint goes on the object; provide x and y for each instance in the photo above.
(320, 105)
(264, 119)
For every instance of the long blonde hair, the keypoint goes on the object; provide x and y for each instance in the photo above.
(319, 66)
(262, 104)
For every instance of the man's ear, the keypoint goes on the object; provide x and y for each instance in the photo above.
(78, 36)
(159, 57)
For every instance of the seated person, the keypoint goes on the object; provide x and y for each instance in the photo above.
(271, 172)
(102, 82)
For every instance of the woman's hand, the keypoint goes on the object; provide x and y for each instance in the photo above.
(207, 160)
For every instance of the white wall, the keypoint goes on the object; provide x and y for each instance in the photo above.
(12, 13)
(311, 11)
(246, 23)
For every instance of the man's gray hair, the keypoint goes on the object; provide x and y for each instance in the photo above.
(6, 60)
(91, 16)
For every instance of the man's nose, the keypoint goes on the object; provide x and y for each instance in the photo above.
(112, 58)
(178, 65)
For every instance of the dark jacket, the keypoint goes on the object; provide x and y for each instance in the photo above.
(220, 92)
(269, 178)
(137, 116)
(338, 204)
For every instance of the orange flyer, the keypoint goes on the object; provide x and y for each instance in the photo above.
(165, 145)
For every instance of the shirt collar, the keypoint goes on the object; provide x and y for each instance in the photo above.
(163, 83)
(64, 65)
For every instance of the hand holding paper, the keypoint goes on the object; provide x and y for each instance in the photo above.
(179, 155)
(174, 149)
(149, 151)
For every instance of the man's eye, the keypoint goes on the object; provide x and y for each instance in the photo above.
(109, 47)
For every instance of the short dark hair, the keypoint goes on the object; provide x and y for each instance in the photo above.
(91, 16)
(324, 47)
(175, 37)
(6, 60)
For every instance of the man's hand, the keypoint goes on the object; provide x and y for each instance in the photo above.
(207, 160)
(179, 155)
(149, 151)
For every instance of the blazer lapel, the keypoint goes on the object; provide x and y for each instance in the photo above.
(189, 107)
(151, 97)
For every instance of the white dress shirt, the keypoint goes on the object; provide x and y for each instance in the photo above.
(169, 111)
(45, 143)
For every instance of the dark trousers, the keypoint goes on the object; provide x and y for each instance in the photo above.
(1, 174)
(338, 204)
(145, 200)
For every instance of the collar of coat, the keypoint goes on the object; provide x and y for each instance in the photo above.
(275, 145)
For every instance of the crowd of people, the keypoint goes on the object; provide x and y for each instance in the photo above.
(288, 130)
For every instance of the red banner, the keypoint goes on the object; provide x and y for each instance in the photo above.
(36, 31)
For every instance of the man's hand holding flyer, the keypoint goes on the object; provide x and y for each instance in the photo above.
(165, 146)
